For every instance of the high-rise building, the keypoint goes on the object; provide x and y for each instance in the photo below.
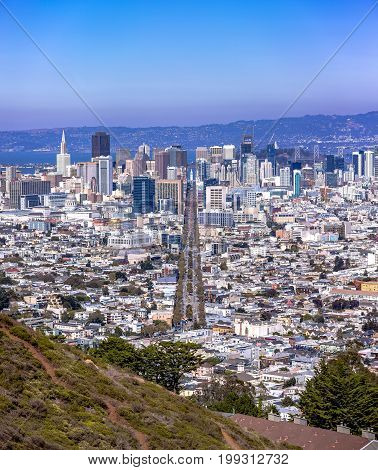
(216, 197)
(216, 154)
(266, 170)
(122, 154)
(100, 144)
(251, 171)
(369, 164)
(285, 177)
(170, 190)
(145, 149)
(376, 164)
(63, 159)
(358, 159)
(229, 152)
(331, 180)
(296, 183)
(330, 163)
(143, 195)
(30, 187)
(88, 171)
(202, 152)
(246, 148)
(172, 173)
(202, 169)
(162, 159)
(177, 156)
(10, 173)
(105, 174)
(246, 145)
(349, 174)
(140, 163)
(308, 177)
(271, 151)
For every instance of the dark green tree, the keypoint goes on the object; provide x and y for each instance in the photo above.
(96, 317)
(119, 352)
(343, 390)
(166, 362)
(229, 395)
(5, 297)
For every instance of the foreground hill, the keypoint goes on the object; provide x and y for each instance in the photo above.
(54, 397)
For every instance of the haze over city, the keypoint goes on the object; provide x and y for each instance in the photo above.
(183, 63)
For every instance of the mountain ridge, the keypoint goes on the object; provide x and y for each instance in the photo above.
(328, 130)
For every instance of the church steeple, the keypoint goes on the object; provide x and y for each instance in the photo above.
(63, 147)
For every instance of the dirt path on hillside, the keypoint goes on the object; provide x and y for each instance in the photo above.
(115, 418)
(230, 441)
(46, 364)
(113, 415)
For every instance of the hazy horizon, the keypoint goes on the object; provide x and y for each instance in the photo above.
(68, 126)
(154, 63)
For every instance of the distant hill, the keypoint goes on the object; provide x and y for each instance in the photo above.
(331, 131)
(53, 396)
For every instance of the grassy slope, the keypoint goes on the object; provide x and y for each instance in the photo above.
(53, 397)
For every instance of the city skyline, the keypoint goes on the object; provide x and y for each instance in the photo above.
(183, 65)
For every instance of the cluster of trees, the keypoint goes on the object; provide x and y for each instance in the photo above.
(130, 289)
(341, 264)
(146, 265)
(117, 275)
(5, 298)
(6, 280)
(343, 390)
(177, 309)
(371, 321)
(78, 282)
(228, 394)
(342, 304)
(158, 326)
(164, 363)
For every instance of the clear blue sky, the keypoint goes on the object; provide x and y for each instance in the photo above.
(142, 63)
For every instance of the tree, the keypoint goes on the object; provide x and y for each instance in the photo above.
(223, 265)
(6, 280)
(146, 265)
(118, 331)
(229, 395)
(287, 401)
(342, 391)
(105, 291)
(158, 326)
(189, 312)
(339, 264)
(70, 302)
(289, 382)
(265, 316)
(96, 317)
(119, 352)
(319, 318)
(67, 316)
(166, 362)
(5, 297)
(76, 281)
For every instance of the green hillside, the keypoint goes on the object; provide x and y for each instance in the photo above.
(54, 397)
